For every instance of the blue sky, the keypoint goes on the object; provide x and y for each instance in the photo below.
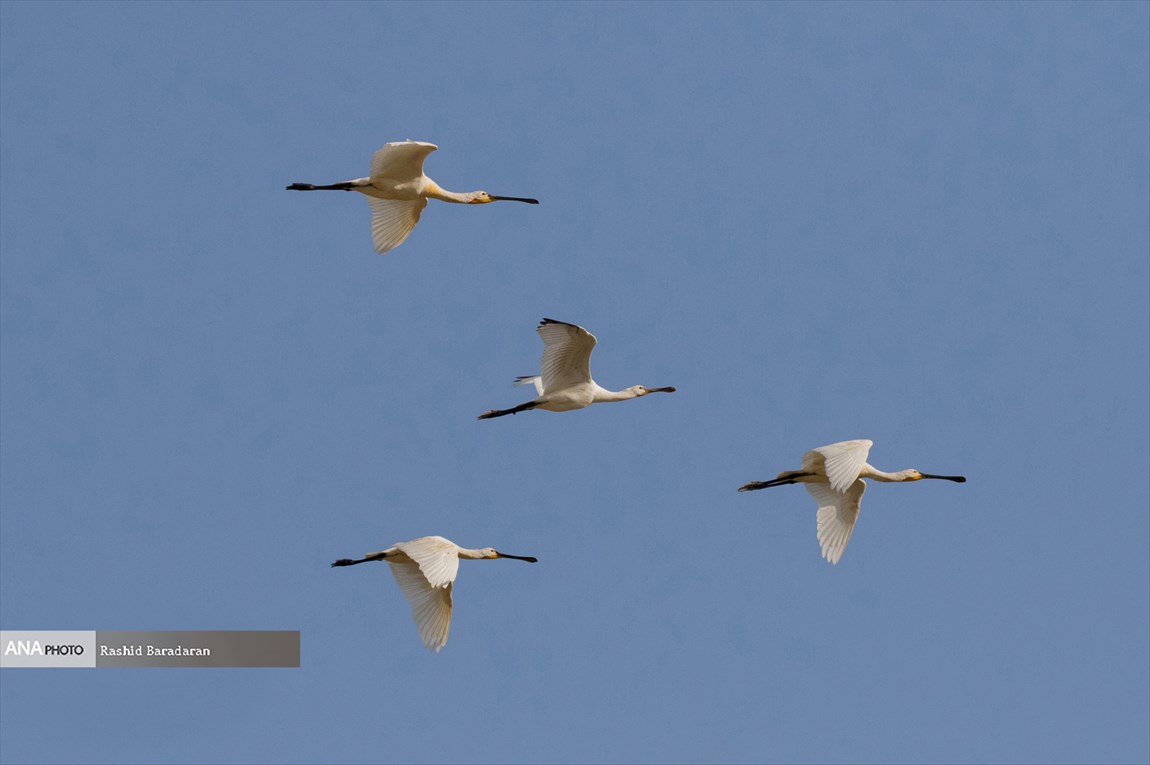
(923, 224)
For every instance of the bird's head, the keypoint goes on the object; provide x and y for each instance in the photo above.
(482, 198)
(914, 475)
(642, 390)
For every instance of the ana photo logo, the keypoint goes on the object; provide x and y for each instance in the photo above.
(35, 648)
(47, 648)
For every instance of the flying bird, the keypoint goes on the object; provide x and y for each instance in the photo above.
(566, 382)
(398, 191)
(425, 569)
(833, 475)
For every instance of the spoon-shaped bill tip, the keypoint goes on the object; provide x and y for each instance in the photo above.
(669, 389)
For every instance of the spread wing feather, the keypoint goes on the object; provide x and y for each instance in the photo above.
(400, 160)
(430, 606)
(436, 557)
(427, 583)
(566, 354)
(842, 461)
(838, 512)
(392, 220)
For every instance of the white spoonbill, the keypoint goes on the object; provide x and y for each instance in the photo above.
(566, 382)
(833, 475)
(398, 191)
(425, 569)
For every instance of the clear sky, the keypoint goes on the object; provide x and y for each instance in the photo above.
(923, 224)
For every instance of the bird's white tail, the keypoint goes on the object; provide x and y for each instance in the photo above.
(535, 380)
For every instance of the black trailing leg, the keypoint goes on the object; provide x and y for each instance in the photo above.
(365, 559)
(512, 410)
(311, 187)
(781, 481)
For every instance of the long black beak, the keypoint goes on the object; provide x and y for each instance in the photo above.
(661, 390)
(527, 558)
(955, 478)
(514, 199)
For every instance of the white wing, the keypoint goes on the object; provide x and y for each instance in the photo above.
(438, 558)
(566, 354)
(392, 220)
(537, 381)
(427, 584)
(400, 160)
(430, 606)
(842, 462)
(838, 512)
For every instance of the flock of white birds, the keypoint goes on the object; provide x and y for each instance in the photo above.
(425, 568)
